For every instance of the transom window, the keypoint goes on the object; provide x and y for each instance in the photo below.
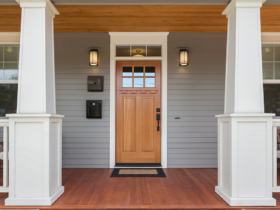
(138, 51)
(138, 76)
(9, 58)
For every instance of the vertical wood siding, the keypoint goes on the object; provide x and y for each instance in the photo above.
(196, 95)
(85, 141)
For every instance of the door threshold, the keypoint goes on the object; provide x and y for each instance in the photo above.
(138, 165)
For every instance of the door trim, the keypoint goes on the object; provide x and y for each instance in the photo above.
(138, 38)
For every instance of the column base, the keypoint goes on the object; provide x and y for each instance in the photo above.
(244, 201)
(35, 201)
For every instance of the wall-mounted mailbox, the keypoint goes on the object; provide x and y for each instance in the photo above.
(95, 83)
(94, 109)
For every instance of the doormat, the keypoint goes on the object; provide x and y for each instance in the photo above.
(138, 172)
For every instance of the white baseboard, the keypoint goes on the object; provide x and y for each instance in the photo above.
(35, 201)
(245, 201)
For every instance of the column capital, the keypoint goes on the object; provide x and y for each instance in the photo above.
(242, 4)
(39, 4)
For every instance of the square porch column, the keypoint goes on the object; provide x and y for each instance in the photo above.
(35, 146)
(244, 130)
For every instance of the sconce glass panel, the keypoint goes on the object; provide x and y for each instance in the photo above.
(93, 58)
(153, 50)
(183, 57)
(123, 51)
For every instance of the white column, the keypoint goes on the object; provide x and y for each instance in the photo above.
(244, 130)
(35, 145)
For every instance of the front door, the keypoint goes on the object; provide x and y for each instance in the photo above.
(138, 108)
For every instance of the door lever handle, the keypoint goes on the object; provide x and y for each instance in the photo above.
(158, 119)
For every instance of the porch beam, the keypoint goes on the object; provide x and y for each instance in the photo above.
(244, 130)
(35, 131)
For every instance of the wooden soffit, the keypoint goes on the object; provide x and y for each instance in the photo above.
(153, 18)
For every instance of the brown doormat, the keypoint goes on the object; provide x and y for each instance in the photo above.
(138, 172)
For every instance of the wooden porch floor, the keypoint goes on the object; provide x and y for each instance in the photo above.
(181, 189)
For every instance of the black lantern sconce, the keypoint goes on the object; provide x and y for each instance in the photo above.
(184, 59)
(93, 57)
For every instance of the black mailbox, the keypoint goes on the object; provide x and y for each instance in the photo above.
(94, 109)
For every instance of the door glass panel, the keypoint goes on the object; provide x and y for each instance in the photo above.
(138, 82)
(267, 53)
(127, 82)
(127, 71)
(153, 50)
(149, 82)
(138, 51)
(267, 70)
(277, 52)
(150, 71)
(11, 53)
(123, 51)
(8, 99)
(138, 71)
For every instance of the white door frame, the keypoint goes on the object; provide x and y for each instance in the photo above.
(138, 38)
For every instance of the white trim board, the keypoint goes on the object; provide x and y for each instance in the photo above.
(9, 37)
(138, 38)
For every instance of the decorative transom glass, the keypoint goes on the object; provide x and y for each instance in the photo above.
(271, 61)
(138, 51)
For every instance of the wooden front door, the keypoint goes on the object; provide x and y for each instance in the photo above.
(138, 102)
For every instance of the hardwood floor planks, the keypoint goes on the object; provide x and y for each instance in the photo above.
(180, 189)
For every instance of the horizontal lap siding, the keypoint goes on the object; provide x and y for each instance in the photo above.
(85, 141)
(196, 95)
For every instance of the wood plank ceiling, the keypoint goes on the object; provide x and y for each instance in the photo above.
(112, 18)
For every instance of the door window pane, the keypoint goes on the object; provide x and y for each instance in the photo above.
(138, 71)
(267, 53)
(149, 82)
(138, 82)
(127, 82)
(153, 50)
(150, 71)
(8, 99)
(127, 71)
(267, 70)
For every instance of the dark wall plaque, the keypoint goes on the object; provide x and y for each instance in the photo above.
(95, 83)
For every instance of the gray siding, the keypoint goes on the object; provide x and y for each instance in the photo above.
(196, 95)
(85, 141)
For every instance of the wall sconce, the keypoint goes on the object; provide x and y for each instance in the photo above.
(183, 57)
(93, 57)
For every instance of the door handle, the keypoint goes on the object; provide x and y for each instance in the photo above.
(158, 119)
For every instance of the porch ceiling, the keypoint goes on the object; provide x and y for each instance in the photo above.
(134, 18)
